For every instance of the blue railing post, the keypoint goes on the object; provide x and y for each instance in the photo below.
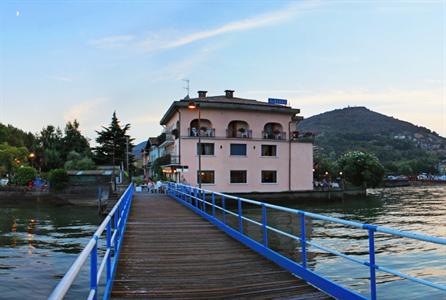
(196, 196)
(204, 201)
(223, 212)
(264, 224)
(94, 269)
(189, 193)
(372, 263)
(213, 204)
(116, 219)
(303, 239)
(240, 216)
(109, 251)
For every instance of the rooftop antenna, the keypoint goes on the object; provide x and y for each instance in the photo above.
(187, 87)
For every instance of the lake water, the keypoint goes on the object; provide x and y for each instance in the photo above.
(39, 242)
(419, 209)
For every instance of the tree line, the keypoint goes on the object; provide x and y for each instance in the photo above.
(68, 149)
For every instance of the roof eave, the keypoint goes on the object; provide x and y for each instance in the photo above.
(223, 105)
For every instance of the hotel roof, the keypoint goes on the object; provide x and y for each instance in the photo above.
(232, 103)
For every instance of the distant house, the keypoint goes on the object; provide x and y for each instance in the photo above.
(151, 153)
(246, 145)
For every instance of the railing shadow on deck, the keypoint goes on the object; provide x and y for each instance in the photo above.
(204, 203)
(114, 225)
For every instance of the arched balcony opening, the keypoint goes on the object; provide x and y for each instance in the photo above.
(273, 131)
(238, 129)
(201, 128)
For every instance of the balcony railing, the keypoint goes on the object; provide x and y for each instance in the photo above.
(303, 137)
(246, 134)
(274, 136)
(208, 132)
(174, 159)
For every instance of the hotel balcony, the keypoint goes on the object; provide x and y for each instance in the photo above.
(303, 137)
(204, 132)
(280, 135)
(241, 134)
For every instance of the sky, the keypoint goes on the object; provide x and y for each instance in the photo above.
(65, 60)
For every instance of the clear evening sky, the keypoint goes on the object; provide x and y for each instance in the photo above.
(61, 60)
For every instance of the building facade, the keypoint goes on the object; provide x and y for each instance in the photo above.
(246, 145)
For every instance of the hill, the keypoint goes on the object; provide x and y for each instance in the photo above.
(398, 144)
(137, 149)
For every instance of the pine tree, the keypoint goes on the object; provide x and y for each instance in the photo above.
(111, 140)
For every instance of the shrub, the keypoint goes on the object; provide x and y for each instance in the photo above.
(361, 169)
(58, 179)
(24, 175)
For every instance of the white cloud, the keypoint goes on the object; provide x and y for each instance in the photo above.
(182, 68)
(167, 40)
(88, 114)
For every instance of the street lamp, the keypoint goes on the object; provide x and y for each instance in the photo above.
(193, 105)
(31, 157)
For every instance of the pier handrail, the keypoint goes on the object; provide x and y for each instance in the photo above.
(197, 200)
(114, 225)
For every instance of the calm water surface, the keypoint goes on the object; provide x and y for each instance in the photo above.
(420, 209)
(38, 242)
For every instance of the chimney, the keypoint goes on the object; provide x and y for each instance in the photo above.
(229, 93)
(202, 94)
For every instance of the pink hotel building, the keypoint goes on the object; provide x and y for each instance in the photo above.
(246, 145)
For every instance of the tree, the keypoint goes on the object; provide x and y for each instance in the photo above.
(24, 175)
(74, 140)
(323, 166)
(361, 169)
(11, 158)
(76, 161)
(58, 179)
(50, 150)
(111, 147)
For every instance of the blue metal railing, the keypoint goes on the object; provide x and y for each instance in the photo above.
(114, 224)
(198, 199)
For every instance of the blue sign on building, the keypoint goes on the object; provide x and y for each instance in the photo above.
(277, 101)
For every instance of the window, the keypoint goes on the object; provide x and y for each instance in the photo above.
(206, 177)
(206, 149)
(269, 176)
(269, 150)
(238, 177)
(238, 149)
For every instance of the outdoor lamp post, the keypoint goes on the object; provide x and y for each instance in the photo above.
(31, 157)
(193, 105)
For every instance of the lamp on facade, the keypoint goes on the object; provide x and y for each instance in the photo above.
(194, 105)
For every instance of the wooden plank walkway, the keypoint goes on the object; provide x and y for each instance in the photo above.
(170, 252)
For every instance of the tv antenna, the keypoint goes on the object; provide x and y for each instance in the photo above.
(187, 88)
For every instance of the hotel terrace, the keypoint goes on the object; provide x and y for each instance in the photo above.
(230, 144)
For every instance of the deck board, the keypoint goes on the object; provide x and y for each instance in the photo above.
(170, 252)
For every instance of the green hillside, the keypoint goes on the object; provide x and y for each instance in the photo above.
(400, 146)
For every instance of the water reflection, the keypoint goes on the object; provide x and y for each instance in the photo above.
(38, 243)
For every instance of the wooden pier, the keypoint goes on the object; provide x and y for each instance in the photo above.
(170, 252)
